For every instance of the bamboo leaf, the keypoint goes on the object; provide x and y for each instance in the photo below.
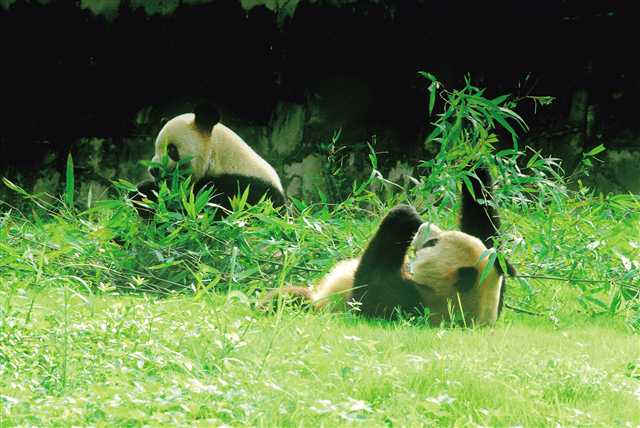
(70, 182)
(508, 127)
(467, 183)
(14, 187)
(499, 100)
(432, 96)
(596, 150)
(428, 76)
(491, 252)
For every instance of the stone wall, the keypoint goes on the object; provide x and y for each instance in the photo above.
(100, 88)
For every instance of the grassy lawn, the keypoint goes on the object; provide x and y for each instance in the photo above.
(160, 329)
(107, 320)
(80, 359)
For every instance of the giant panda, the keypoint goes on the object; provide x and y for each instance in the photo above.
(443, 277)
(218, 157)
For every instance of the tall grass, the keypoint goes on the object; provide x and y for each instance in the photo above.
(586, 242)
(89, 332)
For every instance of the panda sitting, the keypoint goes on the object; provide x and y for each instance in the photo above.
(217, 157)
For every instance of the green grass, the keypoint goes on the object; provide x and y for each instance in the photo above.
(159, 328)
(106, 320)
(80, 359)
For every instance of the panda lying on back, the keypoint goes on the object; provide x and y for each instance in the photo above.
(444, 276)
(219, 157)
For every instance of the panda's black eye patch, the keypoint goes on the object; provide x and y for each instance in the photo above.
(173, 152)
(431, 243)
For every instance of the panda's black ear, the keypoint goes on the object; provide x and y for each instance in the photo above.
(207, 116)
(467, 277)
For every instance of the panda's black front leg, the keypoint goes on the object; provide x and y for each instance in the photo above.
(379, 285)
(227, 186)
(387, 249)
(146, 189)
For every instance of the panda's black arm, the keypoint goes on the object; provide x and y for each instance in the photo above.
(229, 185)
(481, 221)
(379, 284)
(387, 249)
(144, 189)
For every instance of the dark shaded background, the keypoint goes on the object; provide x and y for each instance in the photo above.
(67, 73)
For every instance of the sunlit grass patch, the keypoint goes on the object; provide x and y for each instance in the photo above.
(187, 361)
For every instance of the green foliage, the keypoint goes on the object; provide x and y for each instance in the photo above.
(283, 9)
(87, 355)
(591, 243)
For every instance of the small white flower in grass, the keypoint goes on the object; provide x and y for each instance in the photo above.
(352, 338)
(441, 399)
(115, 401)
(417, 360)
(326, 348)
(8, 401)
(274, 386)
(593, 245)
(354, 305)
(234, 339)
(323, 406)
(106, 287)
(14, 385)
(194, 385)
(358, 405)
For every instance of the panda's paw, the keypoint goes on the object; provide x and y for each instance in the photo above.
(298, 297)
(402, 217)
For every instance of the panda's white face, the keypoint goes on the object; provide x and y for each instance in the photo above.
(439, 257)
(180, 138)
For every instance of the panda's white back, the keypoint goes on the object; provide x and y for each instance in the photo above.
(231, 155)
